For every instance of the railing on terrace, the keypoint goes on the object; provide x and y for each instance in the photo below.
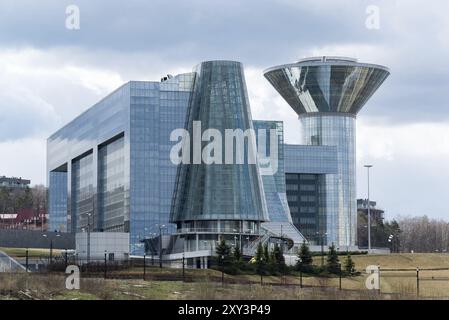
(216, 230)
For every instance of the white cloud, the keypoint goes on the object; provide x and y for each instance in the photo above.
(24, 158)
(267, 104)
(42, 89)
(417, 140)
(410, 161)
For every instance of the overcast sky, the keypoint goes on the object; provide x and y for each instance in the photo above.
(49, 74)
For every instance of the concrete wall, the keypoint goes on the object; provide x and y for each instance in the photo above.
(35, 239)
(116, 243)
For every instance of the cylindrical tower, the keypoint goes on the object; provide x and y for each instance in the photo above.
(327, 93)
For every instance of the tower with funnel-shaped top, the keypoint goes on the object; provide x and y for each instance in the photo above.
(327, 93)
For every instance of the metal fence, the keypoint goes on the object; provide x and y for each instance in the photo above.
(405, 282)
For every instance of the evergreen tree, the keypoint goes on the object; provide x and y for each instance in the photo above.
(333, 264)
(223, 252)
(349, 265)
(278, 259)
(266, 253)
(237, 254)
(305, 259)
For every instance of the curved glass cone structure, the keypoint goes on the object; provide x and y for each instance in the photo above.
(218, 198)
(327, 93)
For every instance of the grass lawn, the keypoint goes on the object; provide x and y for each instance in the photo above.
(207, 285)
(32, 253)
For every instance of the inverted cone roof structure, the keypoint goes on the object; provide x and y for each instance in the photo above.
(327, 84)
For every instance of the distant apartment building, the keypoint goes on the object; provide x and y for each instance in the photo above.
(13, 182)
(376, 213)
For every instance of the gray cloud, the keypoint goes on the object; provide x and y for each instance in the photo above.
(259, 33)
(49, 74)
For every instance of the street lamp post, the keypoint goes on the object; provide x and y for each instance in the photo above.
(368, 166)
(321, 236)
(222, 270)
(144, 265)
(88, 214)
(282, 240)
(88, 237)
(51, 248)
(390, 240)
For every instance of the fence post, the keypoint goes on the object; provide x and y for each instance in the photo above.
(144, 266)
(105, 265)
(417, 281)
(26, 259)
(183, 268)
(378, 278)
(339, 275)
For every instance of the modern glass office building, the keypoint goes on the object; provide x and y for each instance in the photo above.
(327, 93)
(219, 197)
(306, 172)
(110, 170)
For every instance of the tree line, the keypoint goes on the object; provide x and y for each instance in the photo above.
(422, 234)
(406, 234)
(13, 200)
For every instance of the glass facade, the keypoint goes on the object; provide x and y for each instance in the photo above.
(111, 168)
(310, 159)
(219, 199)
(306, 199)
(113, 161)
(157, 108)
(219, 191)
(327, 84)
(82, 192)
(57, 199)
(327, 93)
(340, 188)
(274, 184)
(111, 189)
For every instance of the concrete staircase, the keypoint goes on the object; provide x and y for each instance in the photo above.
(278, 230)
(286, 230)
